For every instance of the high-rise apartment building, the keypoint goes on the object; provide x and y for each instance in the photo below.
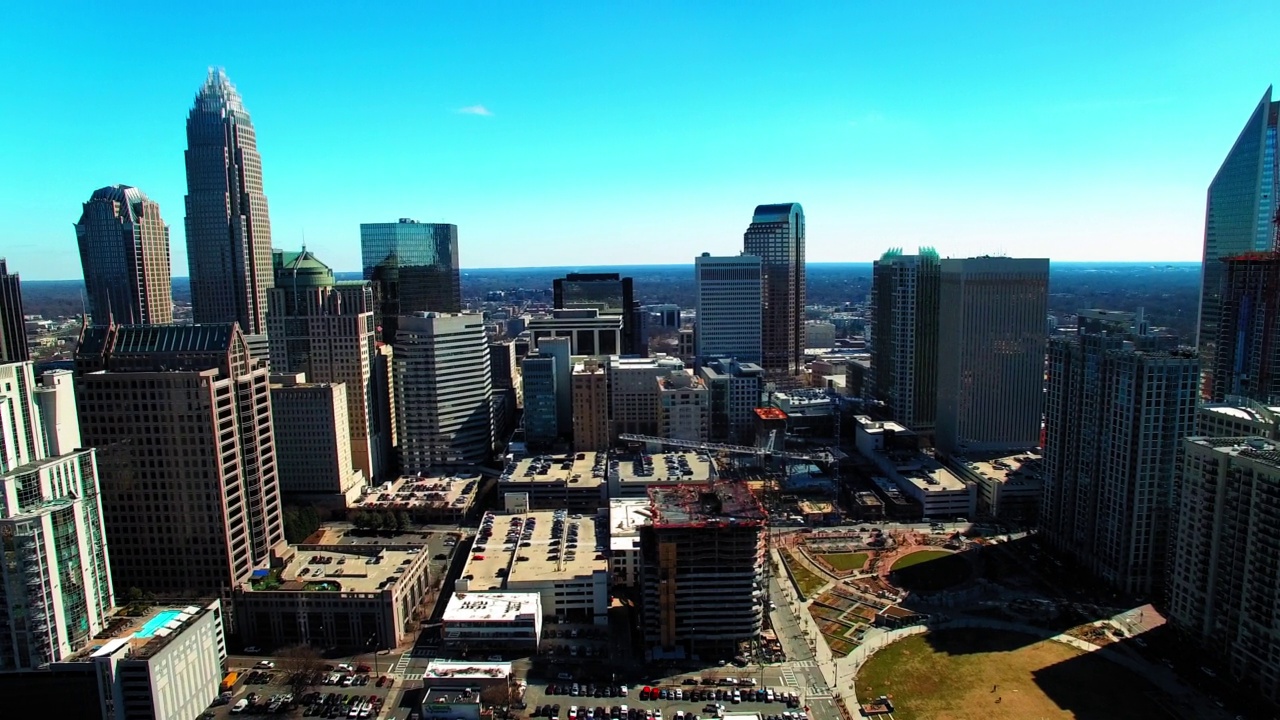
(181, 418)
(729, 306)
(13, 326)
(683, 405)
(1119, 402)
(228, 229)
(702, 560)
(776, 236)
(991, 340)
(590, 397)
(733, 393)
(325, 329)
(124, 252)
(413, 267)
(1240, 217)
(443, 390)
(313, 442)
(562, 350)
(1247, 360)
(905, 292)
(1223, 585)
(55, 581)
(610, 294)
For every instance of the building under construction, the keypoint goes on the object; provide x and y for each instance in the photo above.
(703, 564)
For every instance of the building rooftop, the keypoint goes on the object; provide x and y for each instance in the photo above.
(724, 505)
(534, 547)
(492, 607)
(146, 634)
(923, 471)
(1253, 448)
(626, 517)
(465, 670)
(340, 535)
(579, 470)
(456, 491)
(1020, 469)
(671, 467)
(770, 413)
(369, 570)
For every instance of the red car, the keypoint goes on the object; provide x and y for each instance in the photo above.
(646, 692)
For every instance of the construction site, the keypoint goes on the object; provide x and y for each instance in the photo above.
(703, 567)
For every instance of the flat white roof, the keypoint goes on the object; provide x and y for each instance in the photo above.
(626, 517)
(492, 607)
(462, 669)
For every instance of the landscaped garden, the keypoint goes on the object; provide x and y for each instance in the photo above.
(807, 580)
(843, 562)
(930, 570)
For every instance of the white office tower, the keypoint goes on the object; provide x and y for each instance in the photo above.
(991, 341)
(313, 445)
(55, 580)
(729, 307)
(443, 390)
(633, 392)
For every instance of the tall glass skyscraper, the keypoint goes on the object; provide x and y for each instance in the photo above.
(1240, 217)
(13, 329)
(228, 231)
(776, 236)
(124, 251)
(413, 267)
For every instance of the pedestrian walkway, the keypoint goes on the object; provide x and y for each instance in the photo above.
(402, 665)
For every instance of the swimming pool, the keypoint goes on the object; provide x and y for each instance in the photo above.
(160, 620)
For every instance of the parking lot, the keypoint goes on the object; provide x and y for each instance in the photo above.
(337, 692)
(681, 698)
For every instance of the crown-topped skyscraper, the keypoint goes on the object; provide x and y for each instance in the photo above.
(228, 230)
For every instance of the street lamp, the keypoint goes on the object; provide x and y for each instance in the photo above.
(372, 643)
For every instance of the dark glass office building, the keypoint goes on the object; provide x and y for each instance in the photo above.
(124, 251)
(413, 267)
(776, 236)
(1240, 217)
(13, 327)
(228, 231)
(609, 293)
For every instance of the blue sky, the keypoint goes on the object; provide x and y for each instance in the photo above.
(620, 133)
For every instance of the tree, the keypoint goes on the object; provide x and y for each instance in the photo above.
(300, 663)
(498, 695)
(135, 594)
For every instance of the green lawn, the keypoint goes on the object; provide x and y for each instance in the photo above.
(979, 673)
(807, 580)
(930, 570)
(845, 561)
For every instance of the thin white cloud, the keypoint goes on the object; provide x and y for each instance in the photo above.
(475, 110)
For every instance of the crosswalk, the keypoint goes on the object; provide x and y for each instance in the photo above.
(789, 677)
(805, 664)
(403, 664)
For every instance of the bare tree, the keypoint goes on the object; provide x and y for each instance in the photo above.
(301, 662)
(498, 696)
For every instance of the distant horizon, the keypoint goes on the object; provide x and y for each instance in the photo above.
(588, 268)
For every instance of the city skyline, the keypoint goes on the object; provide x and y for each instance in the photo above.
(609, 129)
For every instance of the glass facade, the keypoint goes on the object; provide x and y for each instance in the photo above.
(776, 236)
(124, 251)
(228, 229)
(1239, 217)
(13, 331)
(413, 267)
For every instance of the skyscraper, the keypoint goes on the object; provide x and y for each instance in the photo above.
(729, 307)
(325, 329)
(443, 390)
(181, 418)
(228, 230)
(541, 422)
(776, 236)
(991, 342)
(124, 251)
(55, 581)
(1119, 403)
(13, 326)
(904, 336)
(1240, 217)
(609, 293)
(413, 267)
(1247, 362)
